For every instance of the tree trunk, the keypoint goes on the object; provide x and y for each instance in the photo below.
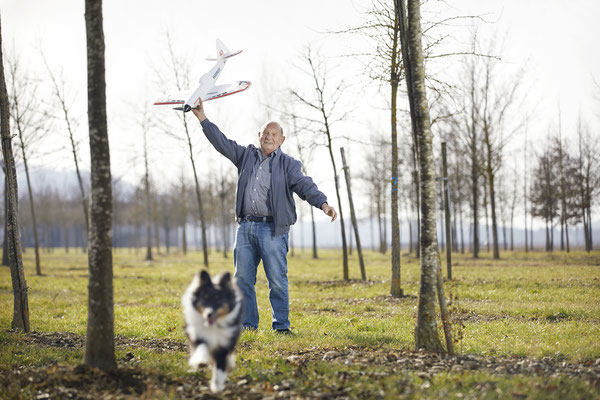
(36, 242)
(447, 214)
(525, 192)
(396, 288)
(462, 232)
(350, 241)
(99, 342)
(339, 199)
(410, 237)
(148, 206)
(531, 234)
(344, 246)
(183, 218)
(314, 234)
(417, 197)
(361, 260)
(5, 260)
(223, 219)
(512, 237)
(426, 334)
(487, 223)
(20, 319)
(198, 196)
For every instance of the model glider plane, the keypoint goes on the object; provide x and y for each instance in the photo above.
(207, 90)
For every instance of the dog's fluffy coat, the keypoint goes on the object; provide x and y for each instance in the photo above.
(213, 310)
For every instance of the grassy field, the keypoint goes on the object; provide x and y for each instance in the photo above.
(528, 326)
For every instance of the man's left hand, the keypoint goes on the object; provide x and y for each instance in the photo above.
(327, 209)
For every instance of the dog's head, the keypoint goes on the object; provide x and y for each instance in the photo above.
(214, 298)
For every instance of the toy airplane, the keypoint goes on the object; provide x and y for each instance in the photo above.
(207, 90)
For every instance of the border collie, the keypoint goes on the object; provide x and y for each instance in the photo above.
(213, 311)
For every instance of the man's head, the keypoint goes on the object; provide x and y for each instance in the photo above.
(271, 137)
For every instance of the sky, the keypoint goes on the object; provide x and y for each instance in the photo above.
(556, 40)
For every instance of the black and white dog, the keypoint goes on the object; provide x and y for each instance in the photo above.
(213, 311)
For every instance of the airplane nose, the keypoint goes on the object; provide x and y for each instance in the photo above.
(186, 108)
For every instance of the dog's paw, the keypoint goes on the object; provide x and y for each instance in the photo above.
(217, 383)
(200, 357)
(230, 362)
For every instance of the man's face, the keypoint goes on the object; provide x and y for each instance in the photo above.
(271, 138)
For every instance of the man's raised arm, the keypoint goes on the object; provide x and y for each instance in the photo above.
(227, 147)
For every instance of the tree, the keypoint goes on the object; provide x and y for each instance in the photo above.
(145, 126)
(353, 216)
(426, 335)
(377, 159)
(467, 127)
(30, 124)
(305, 152)
(58, 86)
(497, 98)
(385, 67)
(544, 203)
(20, 319)
(180, 71)
(587, 166)
(323, 103)
(99, 342)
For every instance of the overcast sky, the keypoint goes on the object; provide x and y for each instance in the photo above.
(557, 39)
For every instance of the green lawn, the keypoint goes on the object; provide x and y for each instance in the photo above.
(351, 339)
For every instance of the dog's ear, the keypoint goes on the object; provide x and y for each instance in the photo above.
(225, 280)
(205, 278)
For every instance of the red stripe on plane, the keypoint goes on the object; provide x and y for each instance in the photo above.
(237, 91)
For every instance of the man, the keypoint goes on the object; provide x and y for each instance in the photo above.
(265, 211)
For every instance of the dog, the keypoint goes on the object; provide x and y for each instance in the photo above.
(213, 311)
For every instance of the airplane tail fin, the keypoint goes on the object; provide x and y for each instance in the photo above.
(222, 52)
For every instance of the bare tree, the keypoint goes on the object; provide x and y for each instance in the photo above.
(305, 151)
(58, 86)
(30, 125)
(467, 126)
(145, 126)
(498, 98)
(544, 203)
(525, 193)
(180, 70)
(587, 165)
(323, 103)
(385, 66)
(20, 319)
(99, 342)
(426, 335)
(183, 212)
(353, 216)
(377, 159)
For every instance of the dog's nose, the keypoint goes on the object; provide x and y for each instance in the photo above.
(209, 315)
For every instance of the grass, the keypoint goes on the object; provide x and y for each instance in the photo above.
(526, 305)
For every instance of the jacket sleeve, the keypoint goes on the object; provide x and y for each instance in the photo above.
(304, 186)
(229, 148)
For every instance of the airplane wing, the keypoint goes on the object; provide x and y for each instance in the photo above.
(175, 98)
(225, 90)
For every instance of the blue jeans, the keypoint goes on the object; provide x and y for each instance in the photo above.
(255, 241)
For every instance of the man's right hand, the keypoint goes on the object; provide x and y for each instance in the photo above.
(199, 111)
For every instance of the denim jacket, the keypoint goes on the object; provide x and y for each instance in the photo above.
(286, 177)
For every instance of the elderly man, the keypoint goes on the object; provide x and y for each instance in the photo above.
(265, 210)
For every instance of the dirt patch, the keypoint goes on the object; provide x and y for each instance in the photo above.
(70, 340)
(432, 363)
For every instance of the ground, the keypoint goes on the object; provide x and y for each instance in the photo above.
(526, 326)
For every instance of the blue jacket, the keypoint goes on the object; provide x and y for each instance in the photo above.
(286, 177)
